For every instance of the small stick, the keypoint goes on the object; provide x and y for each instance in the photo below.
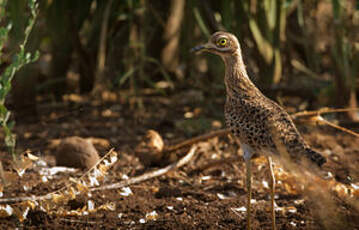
(150, 175)
(220, 132)
(322, 120)
(321, 111)
(316, 116)
(78, 221)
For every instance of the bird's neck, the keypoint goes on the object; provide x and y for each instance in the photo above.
(236, 78)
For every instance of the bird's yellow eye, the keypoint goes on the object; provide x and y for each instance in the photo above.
(222, 42)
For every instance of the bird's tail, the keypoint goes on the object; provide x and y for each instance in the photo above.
(315, 157)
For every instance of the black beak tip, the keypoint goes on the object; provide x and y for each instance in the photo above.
(196, 49)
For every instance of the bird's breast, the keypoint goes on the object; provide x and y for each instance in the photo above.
(248, 124)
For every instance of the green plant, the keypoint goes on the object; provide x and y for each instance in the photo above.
(140, 56)
(20, 59)
(267, 22)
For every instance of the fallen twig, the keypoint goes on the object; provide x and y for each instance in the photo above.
(321, 111)
(322, 120)
(315, 116)
(152, 174)
(220, 132)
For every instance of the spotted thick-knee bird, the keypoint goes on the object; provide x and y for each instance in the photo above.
(256, 121)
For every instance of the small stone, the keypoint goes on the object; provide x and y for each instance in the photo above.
(76, 152)
(149, 151)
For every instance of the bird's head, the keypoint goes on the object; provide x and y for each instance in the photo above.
(220, 43)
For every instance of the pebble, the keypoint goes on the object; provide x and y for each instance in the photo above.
(76, 152)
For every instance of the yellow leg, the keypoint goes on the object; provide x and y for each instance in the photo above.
(272, 186)
(249, 191)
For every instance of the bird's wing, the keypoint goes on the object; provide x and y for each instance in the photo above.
(285, 134)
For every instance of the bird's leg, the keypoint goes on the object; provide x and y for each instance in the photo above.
(249, 191)
(272, 187)
(247, 155)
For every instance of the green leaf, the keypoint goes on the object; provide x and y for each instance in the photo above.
(200, 22)
(36, 56)
(11, 124)
(336, 9)
(19, 60)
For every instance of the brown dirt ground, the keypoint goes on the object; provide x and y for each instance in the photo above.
(204, 194)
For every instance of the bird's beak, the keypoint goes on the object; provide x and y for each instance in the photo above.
(200, 48)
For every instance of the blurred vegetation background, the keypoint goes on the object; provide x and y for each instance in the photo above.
(306, 49)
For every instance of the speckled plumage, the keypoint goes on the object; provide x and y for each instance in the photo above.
(252, 117)
(259, 123)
